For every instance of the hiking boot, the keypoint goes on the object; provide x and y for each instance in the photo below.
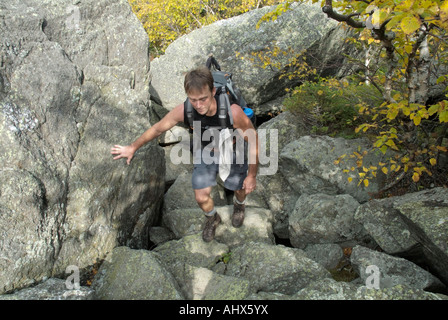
(238, 214)
(208, 234)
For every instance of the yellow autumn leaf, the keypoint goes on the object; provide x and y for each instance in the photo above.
(415, 177)
(366, 183)
(410, 25)
(443, 116)
(350, 179)
(406, 111)
(444, 11)
(378, 17)
(385, 170)
(395, 20)
(408, 49)
(433, 161)
(391, 144)
(417, 119)
(397, 96)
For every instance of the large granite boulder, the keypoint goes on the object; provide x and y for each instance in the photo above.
(298, 28)
(273, 268)
(308, 164)
(414, 226)
(322, 218)
(73, 82)
(128, 274)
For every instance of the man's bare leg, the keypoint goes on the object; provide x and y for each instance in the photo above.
(239, 208)
(206, 203)
(204, 199)
(240, 195)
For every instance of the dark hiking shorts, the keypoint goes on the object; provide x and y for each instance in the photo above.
(206, 173)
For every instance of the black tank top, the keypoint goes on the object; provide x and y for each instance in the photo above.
(207, 122)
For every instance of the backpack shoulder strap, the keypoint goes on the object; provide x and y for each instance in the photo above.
(188, 114)
(224, 109)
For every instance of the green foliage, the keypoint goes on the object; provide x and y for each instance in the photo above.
(417, 150)
(288, 63)
(167, 20)
(226, 257)
(274, 14)
(331, 106)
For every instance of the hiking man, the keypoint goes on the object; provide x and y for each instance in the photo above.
(200, 90)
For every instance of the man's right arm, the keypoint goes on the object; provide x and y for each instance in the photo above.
(170, 120)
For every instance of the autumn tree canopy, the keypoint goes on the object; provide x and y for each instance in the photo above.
(406, 45)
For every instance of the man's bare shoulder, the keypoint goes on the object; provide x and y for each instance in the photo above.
(240, 120)
(177, 113)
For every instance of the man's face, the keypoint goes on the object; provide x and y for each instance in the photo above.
(202, 100)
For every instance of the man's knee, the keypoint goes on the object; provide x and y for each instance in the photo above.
(202, 195)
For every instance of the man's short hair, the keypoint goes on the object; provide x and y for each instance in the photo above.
(197, 79)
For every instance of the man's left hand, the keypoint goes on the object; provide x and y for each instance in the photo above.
(249, 184)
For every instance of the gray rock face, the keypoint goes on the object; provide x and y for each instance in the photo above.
(414, 225)
(204, 284)
(73, 82)
(257, 225)
(308, 165)
(387, 227)
(51, 289)
(321, 218)
(274, 268)
(329, 289)
(191, 250)
(328, 255)
(130, 274)
(392, 270)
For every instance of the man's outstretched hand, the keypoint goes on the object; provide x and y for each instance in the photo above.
(123, 152)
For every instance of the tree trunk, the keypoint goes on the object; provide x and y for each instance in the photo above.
(418, 70)
(423, 73)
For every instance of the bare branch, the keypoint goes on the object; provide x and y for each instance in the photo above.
(328, 10)
(356, 14)
(393, 183)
